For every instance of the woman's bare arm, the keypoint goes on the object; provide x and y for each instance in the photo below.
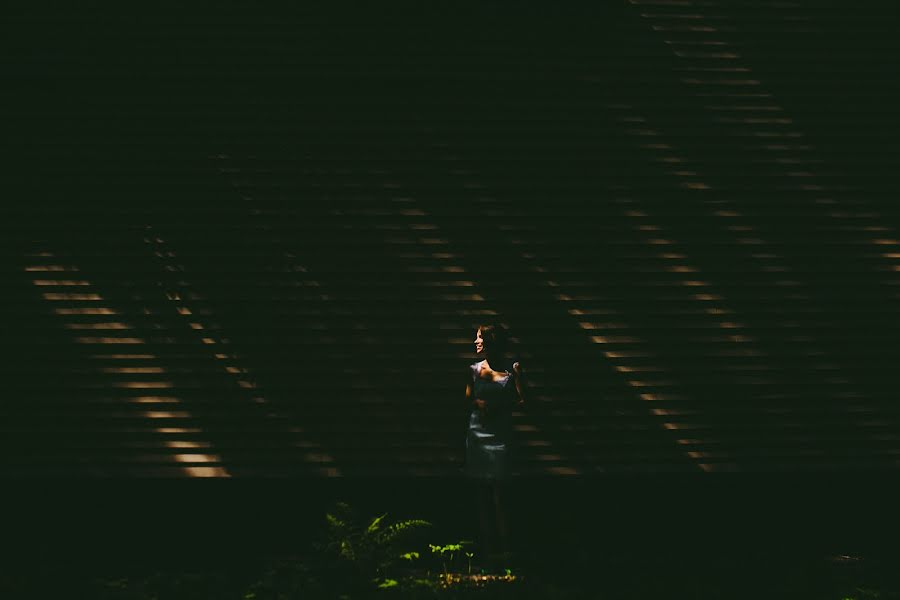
(520, 383)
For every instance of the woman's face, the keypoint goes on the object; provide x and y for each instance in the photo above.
(479, 342)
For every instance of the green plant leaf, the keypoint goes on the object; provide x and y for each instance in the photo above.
(334, 522)
(347, 550)
(387, 583)
(396, 530)
(375, 524)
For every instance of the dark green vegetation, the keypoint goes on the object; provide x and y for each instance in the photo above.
(353, 557)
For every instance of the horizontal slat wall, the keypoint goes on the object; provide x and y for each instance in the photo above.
(258, 244)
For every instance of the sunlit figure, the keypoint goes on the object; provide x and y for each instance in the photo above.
(495, 387)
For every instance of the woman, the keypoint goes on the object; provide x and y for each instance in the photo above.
(495, 387)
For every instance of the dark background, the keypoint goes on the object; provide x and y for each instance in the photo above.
(685, 214)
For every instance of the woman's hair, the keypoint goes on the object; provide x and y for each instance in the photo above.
(494, 336)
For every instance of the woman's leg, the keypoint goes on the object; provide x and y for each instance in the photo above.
(500, 518)
(483, 498)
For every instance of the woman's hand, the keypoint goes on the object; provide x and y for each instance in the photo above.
(481, 406)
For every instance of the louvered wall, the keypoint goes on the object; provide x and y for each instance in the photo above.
(258, 244)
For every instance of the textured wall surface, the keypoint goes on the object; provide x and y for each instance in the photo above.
(259, 244)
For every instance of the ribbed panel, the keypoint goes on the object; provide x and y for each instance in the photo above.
(259, 244)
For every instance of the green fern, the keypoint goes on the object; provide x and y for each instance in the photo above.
(392, 533)
(368, 550)
(375, 524)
